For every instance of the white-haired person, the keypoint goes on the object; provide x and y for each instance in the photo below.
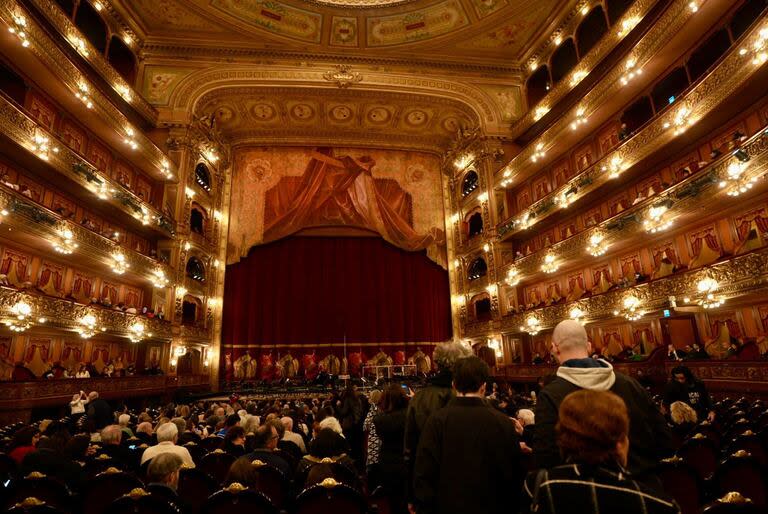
(527, 419)
(167, 435)
(124, 420)
(292, 436)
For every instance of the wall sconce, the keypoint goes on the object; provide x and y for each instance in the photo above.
(124, 91)
(538, 153)
(540, 112)
(486, 248)
(130, 138)
(137, 332)
(614, 167)
(181, 291)
(576, 314)
(681, 121)
(627, 25)
(82, 94)
(41, 145)
(19, 29)
(759, 50)
(483, 197)
(578, 77)
(79, 44)
(631, 72)
(707, 287)
(166, 169)
(526, 220)
(579, 120)
(513, 277)
(464, 161)
(159, 280)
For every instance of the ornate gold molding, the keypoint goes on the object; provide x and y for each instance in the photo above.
(55, 60)
(737, 276)
(66, 315)
(732, 72)
(21, 129)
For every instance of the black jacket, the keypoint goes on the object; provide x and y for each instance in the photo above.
(693, 393)
(425, 402)
(468, 461)
(581, 489)
(649, 436)
(100, 412)
(390, 427)
(55, 464)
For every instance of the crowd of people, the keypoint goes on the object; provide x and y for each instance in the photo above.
(459, 444)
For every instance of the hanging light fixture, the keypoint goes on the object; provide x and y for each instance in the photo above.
(21, 317)
(137, 332)
(65, 243)
(19, 29)
(630, 309)
(550, 264)
(576, 314)
(707, 287)
(614, 167)
(513, 277)
(735, 181)
(159, 280)
(596, 246)
(681, 121)
(656, 219)
(631, 72)
(532, 325)
(87, 326)
(119, 265)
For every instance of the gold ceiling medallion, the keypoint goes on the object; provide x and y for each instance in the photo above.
(342, 76)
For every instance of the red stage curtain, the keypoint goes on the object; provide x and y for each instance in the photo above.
(313, 290)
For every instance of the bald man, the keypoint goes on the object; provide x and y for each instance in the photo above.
(649, 437)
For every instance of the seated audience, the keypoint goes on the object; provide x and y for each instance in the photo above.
(234, 442)
(124, 420)
(292, 436)
(593, 436)
(163, 479)
(327, 447)
(167, 435)
(24, 441)
(123, 458)
(49, 458)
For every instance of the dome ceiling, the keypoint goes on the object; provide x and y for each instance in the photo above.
(496, 32)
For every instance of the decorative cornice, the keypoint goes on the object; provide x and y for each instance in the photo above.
(66, 315)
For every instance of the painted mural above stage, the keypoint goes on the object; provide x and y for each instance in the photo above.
(280, 191)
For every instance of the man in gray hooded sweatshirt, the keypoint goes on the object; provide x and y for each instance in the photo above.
(649, 437)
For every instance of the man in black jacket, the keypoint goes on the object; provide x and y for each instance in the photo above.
(686, 388)
(650, 438)
(99, 411)
(468, 459)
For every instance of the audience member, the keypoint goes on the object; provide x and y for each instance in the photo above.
(683, 418)
(526, 418)
(650, 437)
(99, 411)
(77, 405)
(265, 442)
(373, 443)
(684, 387)
(390, 426)
(167, 435)
(468, 457)
(111, 437)
(124, 420)
(328, 445)
(593, 436)
(292, 436)
(234, 442)
(24, 441)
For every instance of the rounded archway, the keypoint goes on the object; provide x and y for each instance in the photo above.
(195, 269)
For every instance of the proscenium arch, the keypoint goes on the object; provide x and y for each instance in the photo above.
(186, 95)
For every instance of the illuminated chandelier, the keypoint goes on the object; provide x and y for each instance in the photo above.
(137, 332)
(532, 325)
(66, 243)
(513, 277)
(88, 328)
(630, 309)
(707, 287)
(576, 314)
(656, 219)
(21, 317)
(19, 29)
(550, 264)
(681, 121)
(596, 246)
(736, 181)
(119, 265)
(159, 280)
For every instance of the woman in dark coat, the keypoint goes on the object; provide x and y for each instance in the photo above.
(390, 427)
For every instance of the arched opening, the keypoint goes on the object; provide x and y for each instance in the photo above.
(475, 225)
(191, 310)
(68, 6)
(616, 9)
(538, 86)
(745, 16)
(563, 60)
(635, 116)
(12, 84)
(197, 219)
(122, 59)
(591, 29)
(708, 53)
(195, 269)
(481, 305)
(203, 176)
(665, 93)
(477, 269)
(92, 26)
(470, 182)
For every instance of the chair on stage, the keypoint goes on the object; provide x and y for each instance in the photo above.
(238, 498)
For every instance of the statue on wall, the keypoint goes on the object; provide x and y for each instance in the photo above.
(245, 367)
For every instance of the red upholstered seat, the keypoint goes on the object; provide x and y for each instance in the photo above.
(751, 443)
(37, 485)
(330, 497)
(216, 464)
(733, 503)
(100, 491)
(195, 486)
(743, 474)
(701, 454)
(238, 498)
(139, 501)
(682, 483)
(34, 506)
(271, 482)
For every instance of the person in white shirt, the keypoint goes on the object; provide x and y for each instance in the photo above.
(83, 372)
(167, 435)
(77, 405)
(292, 436)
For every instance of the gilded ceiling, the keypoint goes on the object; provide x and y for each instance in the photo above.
(492, 31)
(248, 115)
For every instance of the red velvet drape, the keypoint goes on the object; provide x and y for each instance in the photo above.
(313, 290)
